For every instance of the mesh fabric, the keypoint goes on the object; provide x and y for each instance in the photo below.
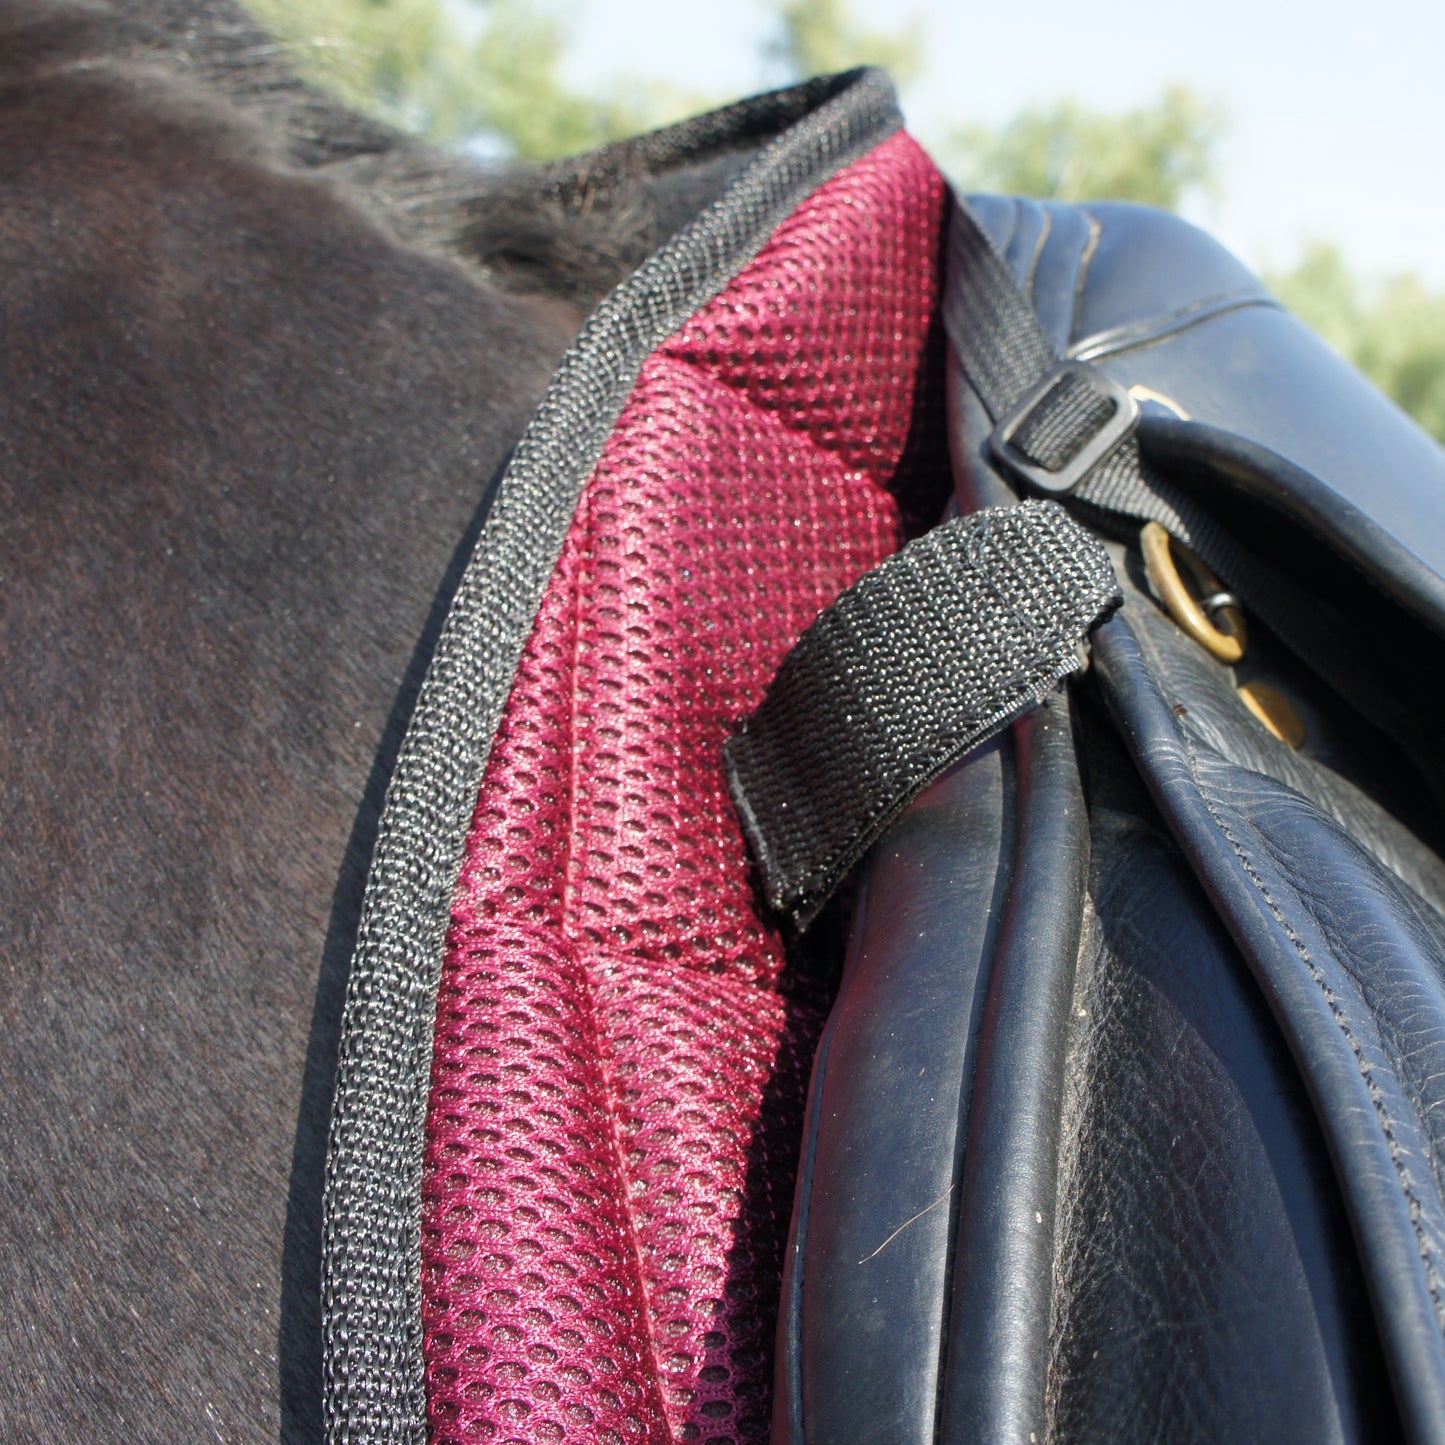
(621, 1060)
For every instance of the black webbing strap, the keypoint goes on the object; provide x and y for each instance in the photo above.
(1067, 429)
(1064, 428)
(928, 655)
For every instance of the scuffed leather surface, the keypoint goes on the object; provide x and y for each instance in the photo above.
(1197, 1278)
(869, 1269)
(1238, 1093)
(1345, 768)
(1349, 960)
(1107, 275)
(1205, 1282)
(998, 1342)
(918, 1295)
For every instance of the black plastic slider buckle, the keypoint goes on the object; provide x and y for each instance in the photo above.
(1089, 450)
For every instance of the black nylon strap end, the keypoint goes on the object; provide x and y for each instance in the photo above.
(929, 655)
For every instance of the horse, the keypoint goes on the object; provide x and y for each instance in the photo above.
(400, 1041)
(262, 361)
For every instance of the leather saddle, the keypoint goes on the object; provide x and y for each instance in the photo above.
(1127, 1118)
(1126, 1122)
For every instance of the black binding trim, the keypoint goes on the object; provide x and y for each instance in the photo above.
(373, 1367)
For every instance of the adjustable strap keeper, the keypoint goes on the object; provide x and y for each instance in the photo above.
(1075, 418)
(930, 654)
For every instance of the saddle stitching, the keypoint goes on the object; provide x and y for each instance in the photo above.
(1397, 1050)
(1376, 1093)
(1030, 281)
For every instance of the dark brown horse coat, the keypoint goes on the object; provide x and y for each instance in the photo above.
(260, 367)
(250, 400)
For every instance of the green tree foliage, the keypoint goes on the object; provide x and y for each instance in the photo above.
(419, 66)
(1155, 154)
(1158, 155)
(524, 103)
(406, 61)
(818, 37)
(1394, 332)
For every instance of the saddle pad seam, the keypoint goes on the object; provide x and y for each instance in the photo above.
(550, 935)
(785, 423)
(580, 726)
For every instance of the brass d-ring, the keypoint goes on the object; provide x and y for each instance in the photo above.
(1159, 548)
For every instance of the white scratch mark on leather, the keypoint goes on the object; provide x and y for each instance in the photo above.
(906, 1224)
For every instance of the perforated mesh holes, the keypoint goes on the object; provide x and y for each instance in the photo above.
(620, 1061)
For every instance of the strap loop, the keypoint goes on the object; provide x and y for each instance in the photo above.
(930, 654)
(1069, 423)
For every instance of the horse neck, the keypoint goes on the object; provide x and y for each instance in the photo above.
(248, 426)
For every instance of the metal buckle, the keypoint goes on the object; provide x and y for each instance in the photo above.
(1117, 429)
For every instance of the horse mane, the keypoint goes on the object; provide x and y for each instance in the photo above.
(514, 224)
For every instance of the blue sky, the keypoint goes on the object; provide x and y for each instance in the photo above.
(1336, 111)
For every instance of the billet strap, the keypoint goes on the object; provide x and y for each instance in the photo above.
(930, 654)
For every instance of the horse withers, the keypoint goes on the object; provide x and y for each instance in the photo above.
(251, 398)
